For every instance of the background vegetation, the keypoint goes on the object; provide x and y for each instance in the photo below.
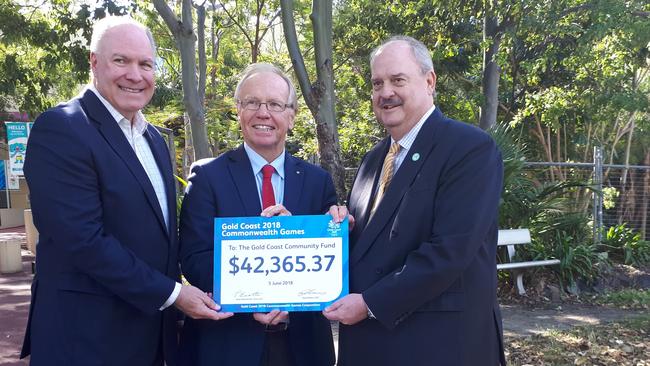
(559, 77)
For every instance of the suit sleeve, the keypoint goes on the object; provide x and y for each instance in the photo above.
(196, 230)
(66, 201)
(465, 210)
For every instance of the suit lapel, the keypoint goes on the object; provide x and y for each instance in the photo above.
(161, 154)
(294, 177)
(367, 179)
(244, 180)
(418, 154)
(116, 139)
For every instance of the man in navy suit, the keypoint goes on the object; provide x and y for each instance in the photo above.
(422, 255)
(103, 198)
(233, 186)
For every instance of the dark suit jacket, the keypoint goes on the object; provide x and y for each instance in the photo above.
(106, 261)
(225, 187)
(425, 262)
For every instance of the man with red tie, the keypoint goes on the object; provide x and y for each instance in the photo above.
(258, 178)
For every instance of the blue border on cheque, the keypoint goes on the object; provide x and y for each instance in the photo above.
(292, 263)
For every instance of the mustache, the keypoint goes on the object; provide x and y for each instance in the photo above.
(391, 102)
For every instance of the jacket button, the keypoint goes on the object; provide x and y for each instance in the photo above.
(379, 271)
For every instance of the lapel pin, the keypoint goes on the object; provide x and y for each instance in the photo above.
(415, 157)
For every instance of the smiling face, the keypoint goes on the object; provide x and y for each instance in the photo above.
(263, 130)
(401, 93)
(123, 69)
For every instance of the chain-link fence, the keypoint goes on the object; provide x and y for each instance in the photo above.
(619, 194)
(613, 194)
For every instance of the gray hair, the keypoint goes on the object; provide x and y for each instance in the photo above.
(105, 24)
(261, 67)
(420, 51)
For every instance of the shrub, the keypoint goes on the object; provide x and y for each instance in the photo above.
(626, 246)
(553, 211)
(578, 259)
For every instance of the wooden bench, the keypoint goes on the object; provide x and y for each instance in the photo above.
(510, 238)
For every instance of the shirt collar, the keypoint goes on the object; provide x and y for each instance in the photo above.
(258, 162)
(140, 123)
(407, 140)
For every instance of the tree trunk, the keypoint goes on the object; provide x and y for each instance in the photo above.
(490, 83)
(215, 41)
(186, 43)
(200, 30)
(319, 96)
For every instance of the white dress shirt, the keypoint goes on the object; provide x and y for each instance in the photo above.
(277, 179)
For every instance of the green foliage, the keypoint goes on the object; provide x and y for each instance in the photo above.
(358, 128)
(527, 202)
(548, 210)
(626, 246)
(627, 299)
(610, 194)
(576, 72)
(577, 259)
(44, 51)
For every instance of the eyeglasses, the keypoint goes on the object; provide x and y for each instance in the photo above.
(273, 106)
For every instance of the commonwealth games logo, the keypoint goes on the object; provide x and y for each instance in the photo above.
(333, 228)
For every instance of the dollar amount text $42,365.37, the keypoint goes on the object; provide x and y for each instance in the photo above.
(289, 263)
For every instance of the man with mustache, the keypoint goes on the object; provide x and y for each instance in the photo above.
(257, 178)
(422, 251)
(102, 193)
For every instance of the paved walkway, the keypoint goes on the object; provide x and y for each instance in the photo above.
(517, 322)
(14, 304)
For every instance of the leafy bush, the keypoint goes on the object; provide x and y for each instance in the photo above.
(626, 246)
(578, 259)
(626, 298)
(552, 212)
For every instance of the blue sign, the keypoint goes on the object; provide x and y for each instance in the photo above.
(17, 133)
(292, 263)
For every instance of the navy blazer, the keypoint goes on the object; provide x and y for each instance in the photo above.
(425, 262)
(225, 187)
(106, 260)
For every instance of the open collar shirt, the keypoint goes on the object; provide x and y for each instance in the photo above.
(134, 133)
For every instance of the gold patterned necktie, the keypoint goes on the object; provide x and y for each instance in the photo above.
(386, 173)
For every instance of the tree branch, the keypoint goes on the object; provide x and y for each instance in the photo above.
(200, 23)
(241, 28)
(297, 60)
(270, 23)
(173, 23)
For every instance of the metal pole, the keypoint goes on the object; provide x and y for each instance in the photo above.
(6, 165)
(598, 194)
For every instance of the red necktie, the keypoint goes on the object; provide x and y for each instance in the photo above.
(268, 198)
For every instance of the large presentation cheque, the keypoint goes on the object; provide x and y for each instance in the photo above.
(293, 263)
